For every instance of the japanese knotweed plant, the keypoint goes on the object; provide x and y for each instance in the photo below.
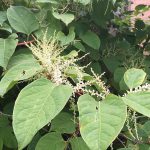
(60, 80)
(51, 81)
(99, 110)
(54, 87)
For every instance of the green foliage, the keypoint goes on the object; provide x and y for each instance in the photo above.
(7, 48)
(74, 75)
(22, 20)
(66, 18)
(96, 117)
(78, 144)
(139, 102)
(63, 123)
(134, 77)
(19, 69)
(34, 114)
(91, 39)
(51, 141)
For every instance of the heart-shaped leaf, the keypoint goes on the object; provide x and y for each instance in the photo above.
(37, 104)
(66, 18)
(51, 141)
(66, 39)
(91, 39)
(101, 122)
(22, 20)
(134, 77)
(22, 66)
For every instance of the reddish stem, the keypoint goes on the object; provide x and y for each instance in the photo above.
(24, 43)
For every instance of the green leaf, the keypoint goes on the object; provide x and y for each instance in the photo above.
(78, 144)
(51, 25)
(66, 17)
(118, 74)
(123, 85)
(8, 137)
(7, 48)
(22, 56)
(101, 122)
(21, 67)
(79, 46)
(51, 141)
(112, 63)
(66, 39)
(22, 20)
(3, 17)
(6, 27)
(3, 121)
(91, 39)
(139, 101)
(101, 11)
(37, 104)
(63, 123)
(134, 77)
(6, 133)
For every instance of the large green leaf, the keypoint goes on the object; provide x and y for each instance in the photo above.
(7, 48)
(21, 67)
(101, 122)
(37, 104)
(134, 77)
(139, 101)
(63, 123)
(91, 39)
(66, 17)
(22, 20)
(51, 141)
(78, 144)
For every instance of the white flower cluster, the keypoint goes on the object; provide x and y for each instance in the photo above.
(82, 86)
(48, 52)
(145, 87)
